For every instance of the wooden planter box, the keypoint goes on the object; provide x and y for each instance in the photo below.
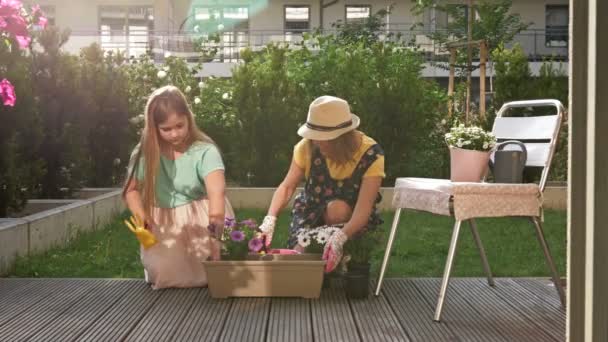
(267, 276)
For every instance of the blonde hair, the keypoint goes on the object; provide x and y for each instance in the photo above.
(161, 104)
(343, 148)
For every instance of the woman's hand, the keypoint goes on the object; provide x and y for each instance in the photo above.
(333, 250)
(267, 228)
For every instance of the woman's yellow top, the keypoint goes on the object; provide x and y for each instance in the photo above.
(302, 155)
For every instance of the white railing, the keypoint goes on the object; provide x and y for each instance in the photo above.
(537, 44)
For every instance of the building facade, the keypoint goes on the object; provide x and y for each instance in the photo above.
(168, 26)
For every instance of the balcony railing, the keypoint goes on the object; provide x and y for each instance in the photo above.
(537, 44)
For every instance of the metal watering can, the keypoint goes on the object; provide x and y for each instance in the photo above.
(508, 165)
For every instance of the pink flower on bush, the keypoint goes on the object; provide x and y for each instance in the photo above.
(7, 93)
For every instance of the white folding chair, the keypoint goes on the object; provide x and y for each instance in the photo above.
(467, 201)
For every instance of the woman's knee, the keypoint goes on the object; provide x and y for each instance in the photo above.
(337, 211)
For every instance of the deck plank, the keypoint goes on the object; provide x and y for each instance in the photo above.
(332, 319)
(290, 320)
(487, 302)
(24, 298)
(414, 312)
(525, 310)
(71, 323)
(117, 322)
(10, 286)
(534, 308)
(205, 319)
(460, 315)
(166, 316)
(37, 317)
(376, 320)
(544, 288)
(247, 320)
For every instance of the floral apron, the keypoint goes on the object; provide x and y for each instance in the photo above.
(320, 189)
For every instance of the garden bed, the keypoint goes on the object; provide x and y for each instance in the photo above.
(45, 224)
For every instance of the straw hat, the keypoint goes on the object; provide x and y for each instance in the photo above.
(328, 118)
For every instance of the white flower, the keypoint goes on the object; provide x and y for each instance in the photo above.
(322, 237)
(326, 84)
(161, 74)
(166, 68)
(197, 100)
(137, 119)
(378, 85)
(220, 27)
(443, 122)
(467, 142)
(145, 77)
(226, 96)
(485, 146)
(302, 85)
(304, 240)
(167, 54)
(188, 89)
(201, 84)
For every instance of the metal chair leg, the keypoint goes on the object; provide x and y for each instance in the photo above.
(448, 269)
(387, 252)
(543, 243)
(482, 252)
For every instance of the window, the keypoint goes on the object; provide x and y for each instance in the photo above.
(357, 13)
(437, 19)
(297, 18)
(126, 28)
(232, 21)
(232, 18)
(556, 26)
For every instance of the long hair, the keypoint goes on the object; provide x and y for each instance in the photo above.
(162, 103)
(343, 148)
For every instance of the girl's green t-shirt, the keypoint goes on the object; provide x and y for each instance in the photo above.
(181, 181)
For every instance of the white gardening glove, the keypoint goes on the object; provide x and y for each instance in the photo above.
(267, 228)
(333, 250)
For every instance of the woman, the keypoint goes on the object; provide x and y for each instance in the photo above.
(343, 169)
(176, 185)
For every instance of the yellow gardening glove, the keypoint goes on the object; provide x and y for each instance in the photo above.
(145, 237)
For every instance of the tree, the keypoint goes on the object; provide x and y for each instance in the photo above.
(493, 23)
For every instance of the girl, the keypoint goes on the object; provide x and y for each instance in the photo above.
(176, 185)
(343, 169)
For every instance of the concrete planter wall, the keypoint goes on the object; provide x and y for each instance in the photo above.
(54, 223)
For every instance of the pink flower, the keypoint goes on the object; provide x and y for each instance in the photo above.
(3, 23)
(42, 22)
(7, 93)
(24, 41)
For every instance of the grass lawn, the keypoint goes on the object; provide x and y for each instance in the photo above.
(420, 249)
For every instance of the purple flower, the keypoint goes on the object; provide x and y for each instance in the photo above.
(237, 235)
(251, 224)
(229, 222)
(255, 245)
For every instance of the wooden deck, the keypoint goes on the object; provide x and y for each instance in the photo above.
(117, 310)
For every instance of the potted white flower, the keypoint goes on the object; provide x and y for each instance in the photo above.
(470, 149)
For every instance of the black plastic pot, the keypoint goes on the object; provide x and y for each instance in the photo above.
(356, 281)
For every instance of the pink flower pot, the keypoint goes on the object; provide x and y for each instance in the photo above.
(468, 165)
